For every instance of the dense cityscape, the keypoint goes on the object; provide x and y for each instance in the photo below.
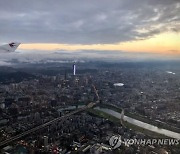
(147, 93)
(89, 76)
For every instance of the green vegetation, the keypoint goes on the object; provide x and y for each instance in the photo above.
(141, 118)
(152, 122)
(104, 115)
(79, 103)
(126, 124)
(110, 107)
(144, 131)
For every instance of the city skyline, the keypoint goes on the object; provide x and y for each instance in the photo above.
(89, 76)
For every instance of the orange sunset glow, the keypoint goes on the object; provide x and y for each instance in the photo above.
(165, 43)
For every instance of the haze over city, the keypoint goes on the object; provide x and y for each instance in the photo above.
(90, 76)
(144, 29)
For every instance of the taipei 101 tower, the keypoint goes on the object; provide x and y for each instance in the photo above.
(74, 69)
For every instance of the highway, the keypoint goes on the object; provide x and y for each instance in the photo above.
(3, 143)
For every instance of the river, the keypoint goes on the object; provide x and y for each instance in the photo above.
(140, 123)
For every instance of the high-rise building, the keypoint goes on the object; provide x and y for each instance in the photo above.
(45, 138)
(74, 69)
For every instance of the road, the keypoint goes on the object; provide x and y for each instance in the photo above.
(90, 105)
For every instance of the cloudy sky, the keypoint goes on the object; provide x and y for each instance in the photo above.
(134, 26)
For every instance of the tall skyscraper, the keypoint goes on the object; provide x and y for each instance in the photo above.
(74, 69)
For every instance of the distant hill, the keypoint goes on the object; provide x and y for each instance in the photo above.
(14, 77)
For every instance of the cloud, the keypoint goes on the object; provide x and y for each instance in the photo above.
(174, 51)
(4, 63)
(81, 56)
(86, 21)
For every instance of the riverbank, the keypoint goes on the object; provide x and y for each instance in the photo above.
(138, 123)
(141, 118)
(126, 124)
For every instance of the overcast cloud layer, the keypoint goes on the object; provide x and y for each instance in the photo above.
(86, 21)
(62, 56)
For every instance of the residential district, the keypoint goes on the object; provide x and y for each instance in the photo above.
(150, 96)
